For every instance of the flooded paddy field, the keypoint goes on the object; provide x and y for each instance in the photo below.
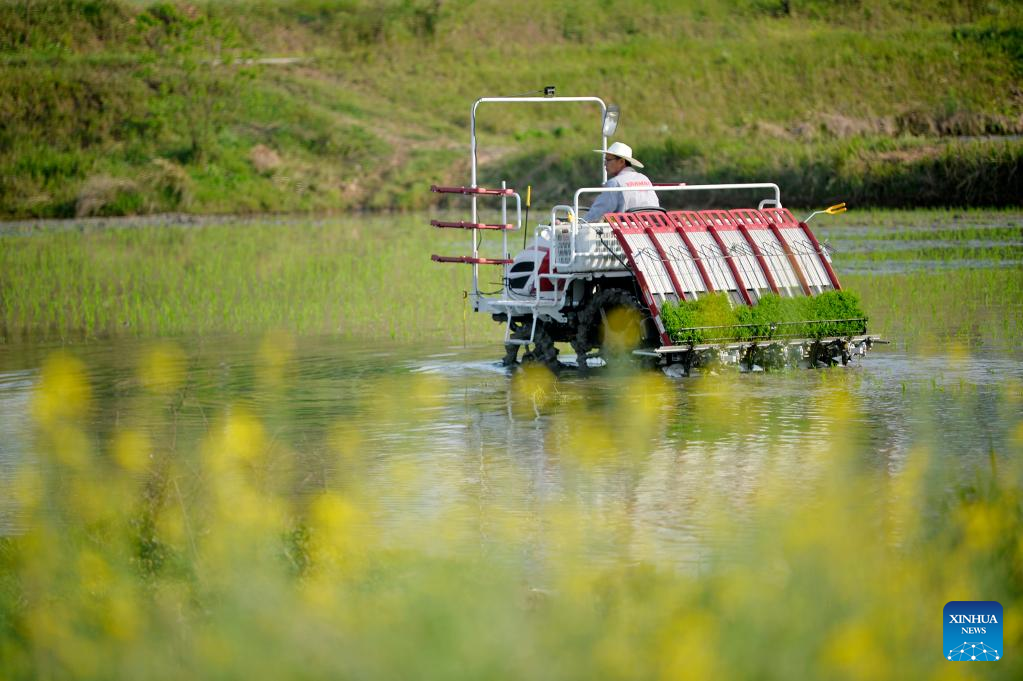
(273, 448)
(925, 242)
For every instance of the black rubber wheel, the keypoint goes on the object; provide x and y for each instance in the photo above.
(540, 351)
(614, 335)
(821, 355)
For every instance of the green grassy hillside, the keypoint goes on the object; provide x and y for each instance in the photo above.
(113, 107)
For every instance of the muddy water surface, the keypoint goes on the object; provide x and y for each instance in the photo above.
(421, 430)
(472, 434)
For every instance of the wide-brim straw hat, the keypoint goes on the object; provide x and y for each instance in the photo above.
(621, 151)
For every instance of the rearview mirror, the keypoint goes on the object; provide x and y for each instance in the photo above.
(611, 119)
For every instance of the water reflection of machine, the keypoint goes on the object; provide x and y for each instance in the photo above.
(604, 285)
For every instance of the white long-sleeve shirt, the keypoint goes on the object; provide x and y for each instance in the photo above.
(619, 202)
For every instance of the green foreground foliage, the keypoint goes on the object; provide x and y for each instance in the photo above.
(139, 555)
(831, 313)
(113, 107)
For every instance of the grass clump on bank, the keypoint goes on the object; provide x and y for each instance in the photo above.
(188, 107)
(818, 316)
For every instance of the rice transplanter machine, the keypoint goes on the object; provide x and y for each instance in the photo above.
(574, 280)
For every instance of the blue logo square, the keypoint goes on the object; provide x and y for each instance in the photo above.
(973, 631)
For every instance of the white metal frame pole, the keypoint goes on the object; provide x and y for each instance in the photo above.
(472, 152)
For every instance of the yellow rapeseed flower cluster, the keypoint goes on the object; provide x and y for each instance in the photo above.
(138, 557)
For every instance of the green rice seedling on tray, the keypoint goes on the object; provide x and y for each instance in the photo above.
(687, 320)
(711, 318)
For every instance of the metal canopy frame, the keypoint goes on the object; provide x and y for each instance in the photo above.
(533, 100)
(474, 147)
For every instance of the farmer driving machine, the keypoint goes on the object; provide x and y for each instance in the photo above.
(693, 289)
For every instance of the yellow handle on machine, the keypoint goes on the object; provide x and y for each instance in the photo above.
(837, 209)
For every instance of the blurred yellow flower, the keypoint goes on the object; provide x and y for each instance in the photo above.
(590, 440)
(28, 488)
(122, 620)
(533, 388)
(171, 525)
(853, 651)
(338, 533)
(644, 402)
(688, 647)
(1012, 393)
(240, 439)
(906, 490)
(94, 572)
(63, 392)
(427, 391)
(131, 450)
(346, 440)
(162, 369)
(957, 353)
(275, 352)
(1017, 435)
(984, 525)
(69, 446)
(622, 328)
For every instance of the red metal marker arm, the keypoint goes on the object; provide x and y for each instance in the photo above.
(469, 260)
(462, 224)
(472, 190)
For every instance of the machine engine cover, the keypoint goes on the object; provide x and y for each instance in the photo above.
(527, 265)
